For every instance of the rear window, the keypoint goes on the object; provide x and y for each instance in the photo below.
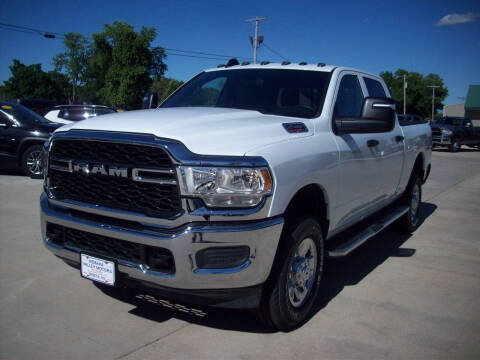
(76, 114)
(103, 111)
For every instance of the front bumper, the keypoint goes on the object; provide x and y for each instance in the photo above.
(260, 236)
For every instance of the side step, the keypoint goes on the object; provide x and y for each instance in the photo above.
(356, 237)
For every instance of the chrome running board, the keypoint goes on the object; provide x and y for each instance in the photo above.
(347, 245)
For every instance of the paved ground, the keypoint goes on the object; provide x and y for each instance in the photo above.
(398, 296)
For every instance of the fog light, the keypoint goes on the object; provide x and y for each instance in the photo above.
(222, 257)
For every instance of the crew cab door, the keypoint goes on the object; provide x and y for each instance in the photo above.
(392, 144)
(468, 134)
(370, 164)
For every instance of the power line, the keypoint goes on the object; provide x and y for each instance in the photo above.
(205, 53)
(186, 53)
(29, 30)
(195, 56)
(275, 52)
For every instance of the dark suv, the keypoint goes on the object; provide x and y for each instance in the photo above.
(22, 134)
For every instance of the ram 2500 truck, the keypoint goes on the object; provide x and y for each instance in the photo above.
(234, 191)
(454, 132)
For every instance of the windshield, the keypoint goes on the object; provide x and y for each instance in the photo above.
(23, 115)
(297, 93)
(450, 121)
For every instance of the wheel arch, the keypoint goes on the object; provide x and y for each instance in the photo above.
(25, 144)
(419, 166)
(310, 200)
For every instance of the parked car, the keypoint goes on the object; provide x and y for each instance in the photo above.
(237, 187)
(22, 134)
(454, 132)
(40, 106)
(67, 114)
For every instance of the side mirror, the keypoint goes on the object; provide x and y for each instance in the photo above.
(378, 115)
(468, 125)
(150, 100)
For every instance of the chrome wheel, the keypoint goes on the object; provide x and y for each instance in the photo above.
(301, 272)
(34, 162)
(414, 203)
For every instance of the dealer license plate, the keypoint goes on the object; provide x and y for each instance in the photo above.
(100, 270)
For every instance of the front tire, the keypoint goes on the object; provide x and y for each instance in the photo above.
(294, 289)
(455, 146)
(32, 162)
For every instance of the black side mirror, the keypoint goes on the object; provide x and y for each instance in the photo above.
(378, 115)
(150, 100)
(467, 125)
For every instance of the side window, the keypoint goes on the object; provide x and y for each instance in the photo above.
(349, 98)
(4, 119)
(375, 88)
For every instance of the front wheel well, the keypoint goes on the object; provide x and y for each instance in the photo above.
(309, 200)
(25, 145)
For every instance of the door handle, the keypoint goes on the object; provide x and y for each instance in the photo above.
(372, 143)
(399, 138)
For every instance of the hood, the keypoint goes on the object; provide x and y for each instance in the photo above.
(205, 131)
(48, 128)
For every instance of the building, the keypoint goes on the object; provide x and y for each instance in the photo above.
(472, 104)
(469, 109)
(457, 110)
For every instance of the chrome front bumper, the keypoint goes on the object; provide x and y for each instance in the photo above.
(261, 237)
(441, 140)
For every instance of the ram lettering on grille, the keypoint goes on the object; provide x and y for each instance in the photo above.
(131, 177)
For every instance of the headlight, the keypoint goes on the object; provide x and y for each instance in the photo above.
(227, 187)
(447, 132)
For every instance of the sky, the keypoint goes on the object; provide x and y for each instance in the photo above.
(441, 37)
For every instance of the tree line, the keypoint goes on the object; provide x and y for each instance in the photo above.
(117, 67)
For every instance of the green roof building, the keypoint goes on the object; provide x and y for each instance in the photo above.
(471, 108)
(472, 104)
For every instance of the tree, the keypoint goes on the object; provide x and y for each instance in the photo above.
(123, 63)
(31, 82)
(419, 95)
(164, 87)
(74, 60)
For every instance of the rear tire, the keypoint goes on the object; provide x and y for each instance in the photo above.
(293, 290)
(32, 162)
(413, 198)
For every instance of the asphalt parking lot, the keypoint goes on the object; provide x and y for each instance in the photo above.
(398, 296)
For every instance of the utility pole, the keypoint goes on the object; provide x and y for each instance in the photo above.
(433, 100)
(255, 40)
(404, 94)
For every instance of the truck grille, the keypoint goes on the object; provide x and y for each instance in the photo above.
(151, 199)
(436, 132)
(158, 259)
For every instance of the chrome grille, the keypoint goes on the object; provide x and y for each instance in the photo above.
(148, 198)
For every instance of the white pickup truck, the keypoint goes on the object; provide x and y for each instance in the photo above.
(237, 187)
